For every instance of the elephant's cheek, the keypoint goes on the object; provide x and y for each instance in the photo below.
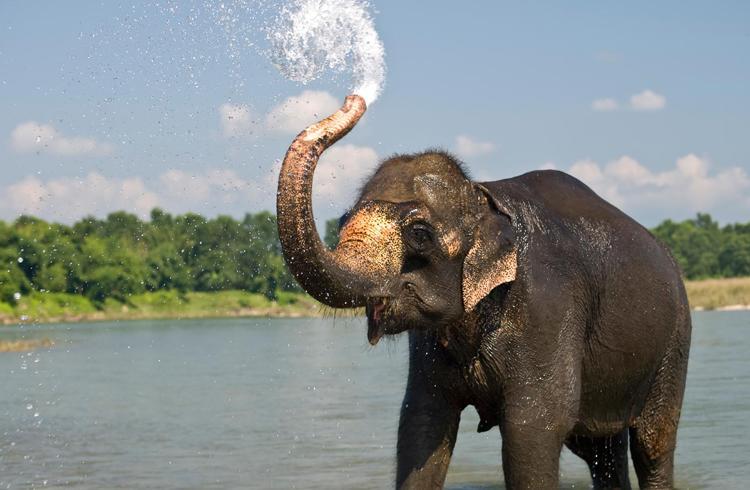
(371, 243)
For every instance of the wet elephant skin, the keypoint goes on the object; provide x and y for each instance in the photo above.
(560, 319)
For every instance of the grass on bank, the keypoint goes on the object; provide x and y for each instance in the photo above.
(711, 294)
(707, 294)
(51, 307)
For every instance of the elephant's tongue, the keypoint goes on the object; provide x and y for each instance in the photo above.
(374, 327)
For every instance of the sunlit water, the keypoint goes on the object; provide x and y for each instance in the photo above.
(249, 403)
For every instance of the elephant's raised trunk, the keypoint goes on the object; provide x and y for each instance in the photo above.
(321, 272)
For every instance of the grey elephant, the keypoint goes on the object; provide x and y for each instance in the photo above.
(555, 315)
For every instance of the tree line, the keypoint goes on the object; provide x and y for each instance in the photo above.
(123, 255)
(704, 249)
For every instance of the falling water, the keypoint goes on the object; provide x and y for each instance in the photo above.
(312, 36)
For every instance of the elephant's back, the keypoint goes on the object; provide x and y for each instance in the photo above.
(622, 249)
(564, 213)
(563, 196)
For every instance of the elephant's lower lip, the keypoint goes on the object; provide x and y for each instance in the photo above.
(375, 309)
(374, 331)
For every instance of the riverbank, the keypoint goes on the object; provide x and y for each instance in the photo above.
(60, 307)
(710, 294)
(719, 294)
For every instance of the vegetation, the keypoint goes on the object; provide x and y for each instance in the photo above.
(54, 307)
(705, 250)
(122, 256)
(123, 267)
(710, 294)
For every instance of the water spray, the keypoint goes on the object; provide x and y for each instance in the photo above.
(312, 36)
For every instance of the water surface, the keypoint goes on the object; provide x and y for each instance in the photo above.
(249, 403)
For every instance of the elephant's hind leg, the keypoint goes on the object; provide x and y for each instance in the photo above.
(653, 437)
(653, 434)
(607, 458)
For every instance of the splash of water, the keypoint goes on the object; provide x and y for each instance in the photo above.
(312, 36)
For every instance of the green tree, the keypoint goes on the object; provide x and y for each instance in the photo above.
(703, 249)
(12, 278)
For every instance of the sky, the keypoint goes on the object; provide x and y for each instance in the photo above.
(108, 107)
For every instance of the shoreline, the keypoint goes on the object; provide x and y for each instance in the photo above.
(46, 308)
(722, 308)
(109, 317)
(67, 308)
(242, 313)
(728, 294)
(732, 294)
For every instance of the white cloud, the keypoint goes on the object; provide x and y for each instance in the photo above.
(587, 170)
(648, 101)
(236, 120)
(213, 191)
(299, 111)
(681, 191)
(67, 199)
(291, 116)
(31, 137)
(216, 188)
(341, 170)
(467, 147)
(606, 104)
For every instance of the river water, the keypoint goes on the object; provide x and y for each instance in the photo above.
(256, 403)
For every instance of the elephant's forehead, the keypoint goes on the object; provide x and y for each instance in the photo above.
(391, 188)
(430, 179)
(430, 191)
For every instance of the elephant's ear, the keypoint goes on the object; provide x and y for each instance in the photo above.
(492, 260)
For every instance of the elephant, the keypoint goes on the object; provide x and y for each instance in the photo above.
(559, 318)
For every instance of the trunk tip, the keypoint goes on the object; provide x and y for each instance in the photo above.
(356, 102)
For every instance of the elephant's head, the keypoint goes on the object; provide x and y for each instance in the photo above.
(420, 248)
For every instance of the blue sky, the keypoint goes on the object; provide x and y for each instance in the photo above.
(172, 104)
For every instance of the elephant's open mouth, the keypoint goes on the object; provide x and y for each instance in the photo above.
(376, 309)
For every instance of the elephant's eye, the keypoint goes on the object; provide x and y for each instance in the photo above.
(420, 236)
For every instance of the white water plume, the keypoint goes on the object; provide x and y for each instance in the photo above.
(311, 36)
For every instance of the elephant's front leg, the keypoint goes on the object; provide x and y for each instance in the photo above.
(533, 434)
(531, 457)
(426, 436)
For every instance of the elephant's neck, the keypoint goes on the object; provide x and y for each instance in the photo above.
(465, 340)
